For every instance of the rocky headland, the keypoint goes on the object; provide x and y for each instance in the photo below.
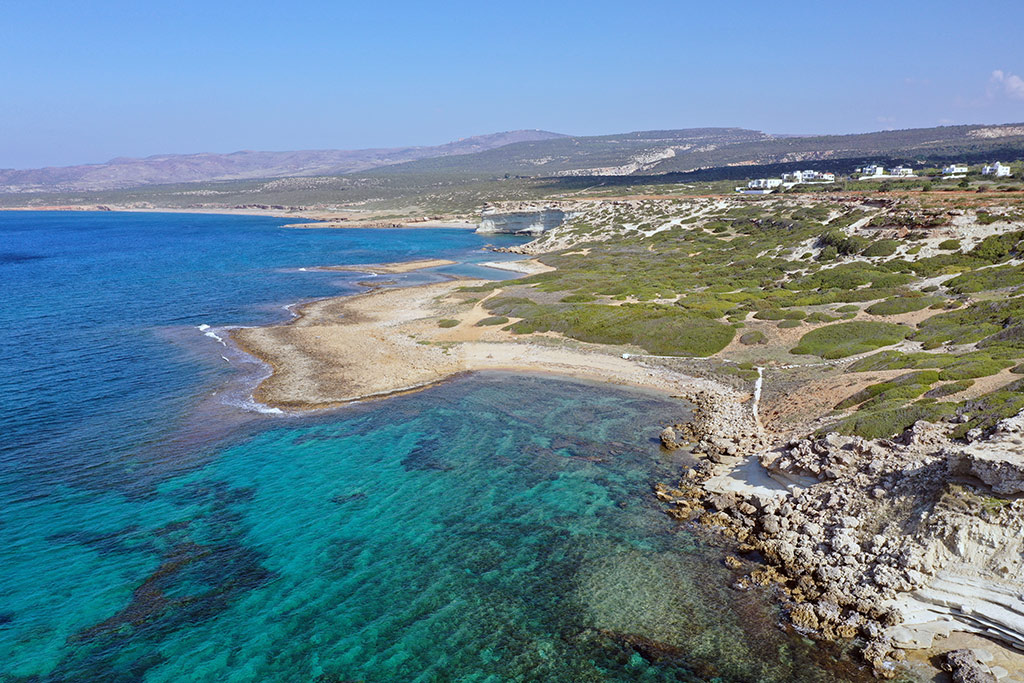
(894, 543)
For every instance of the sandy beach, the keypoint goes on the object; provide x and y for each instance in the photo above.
(388, 341)
(391, 268)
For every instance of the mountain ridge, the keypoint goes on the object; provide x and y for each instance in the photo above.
(159, 169)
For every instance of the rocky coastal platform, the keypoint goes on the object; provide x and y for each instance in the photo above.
(893, 543)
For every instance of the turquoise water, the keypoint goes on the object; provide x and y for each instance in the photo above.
(493, 528)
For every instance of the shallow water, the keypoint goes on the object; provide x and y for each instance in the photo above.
(493, 528)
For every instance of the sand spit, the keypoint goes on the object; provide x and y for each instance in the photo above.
(392, 268)
(388, 341)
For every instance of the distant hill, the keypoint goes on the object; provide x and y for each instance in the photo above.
(194, 168)
(680, 151)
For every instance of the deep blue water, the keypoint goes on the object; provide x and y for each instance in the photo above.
(155, 528)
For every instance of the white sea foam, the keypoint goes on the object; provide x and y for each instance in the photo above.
(208, 331)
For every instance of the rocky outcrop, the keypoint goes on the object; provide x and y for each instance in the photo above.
(966, 667)
(894, 541)
(528, 221)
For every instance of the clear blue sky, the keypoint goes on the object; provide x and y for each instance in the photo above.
(88, 81)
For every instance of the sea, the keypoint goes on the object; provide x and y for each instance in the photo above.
(158, 525)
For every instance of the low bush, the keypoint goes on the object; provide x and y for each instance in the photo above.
(753, 337)
(788, 323)
(850, 338)
(902, 304)
(578, 298)
(950, 245)
(891, 419)
(492, 320)
(949, 389)
(447, 322)
(904, 387)
(882, 248)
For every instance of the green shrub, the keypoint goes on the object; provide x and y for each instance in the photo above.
(850, 338)
(752, 337)
(984, 279)
(973, 365)
(779, 314)
(664, 330)
(970, 324)
(848, 308)
(789, 323)
(950, 245)
(904, 387)
(902, 304)
(890, 420)
(949, 389)
(882, 248)
(447, 322)
(578, 298)
(990, 408)
(492, 320)
(897, 360)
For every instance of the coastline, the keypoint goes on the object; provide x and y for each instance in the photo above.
(387, 341)
(316, 219)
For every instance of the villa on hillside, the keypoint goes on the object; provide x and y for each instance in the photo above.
(764, 183)
(955, 170)
(808, 176)
(999, 170)
(760, 186)
(874, 171)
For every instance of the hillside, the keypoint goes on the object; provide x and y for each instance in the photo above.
(194, 168)
(659, 152)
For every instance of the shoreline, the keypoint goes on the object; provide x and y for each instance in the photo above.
(388, 342)
(316, 219)
(385, 342)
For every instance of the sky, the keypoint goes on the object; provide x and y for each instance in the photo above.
(84, 82)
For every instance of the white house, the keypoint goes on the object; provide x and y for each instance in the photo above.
(955, 169)
(764, 183)
(872, 170)
(901, 172)
(808, 176)
(999, 170)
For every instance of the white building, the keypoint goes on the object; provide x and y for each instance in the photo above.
(999, 170)
(901, 172)
(872, 170)
(764, 183)
(808, 176)
(955, 170)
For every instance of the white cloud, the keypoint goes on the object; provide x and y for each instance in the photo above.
(1003, 82)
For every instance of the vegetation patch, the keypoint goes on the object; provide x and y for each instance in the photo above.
(988, 409)
(447, 322)
(663, 330)
(902, 304)
(890, 419)
(904, 387)
(492, 320)
(850, 338)
(882, 248)
(754, 337)
(949, 389)
(973, 324)
(578, 298)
